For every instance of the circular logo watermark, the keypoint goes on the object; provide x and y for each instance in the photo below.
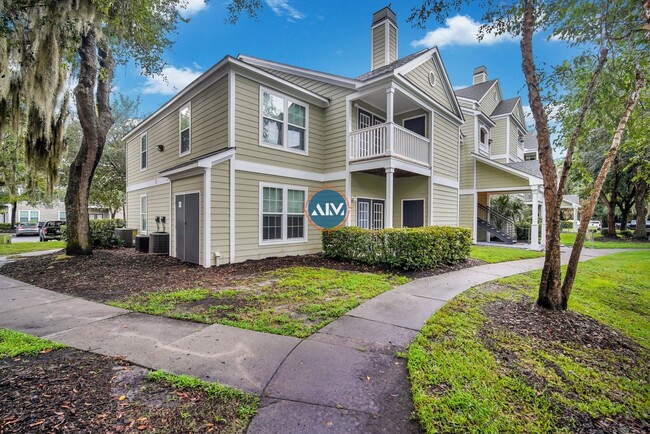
(327, 209)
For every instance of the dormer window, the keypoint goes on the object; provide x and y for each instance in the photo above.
(484, 140)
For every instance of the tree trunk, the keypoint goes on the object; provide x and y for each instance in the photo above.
(626, 206)
(590, 204)
(612, 203)
(92, 95)
(14, 204)
(641, 210)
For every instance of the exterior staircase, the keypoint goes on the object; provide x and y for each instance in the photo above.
(497, 224)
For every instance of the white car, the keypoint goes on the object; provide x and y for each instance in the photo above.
(594, 225)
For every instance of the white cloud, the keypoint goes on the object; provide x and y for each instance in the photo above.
(459, 30)
(170, 81)
(187, 8)
(283, 8)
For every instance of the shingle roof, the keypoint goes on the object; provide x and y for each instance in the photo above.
(390, 67)
(194, 160)
(505, 106)
(476, 91)
(529, 167)
(572, 198)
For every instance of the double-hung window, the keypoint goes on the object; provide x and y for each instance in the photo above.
(62, 215)
(28, 216)
(283, 122)
(143, 213)
(282, 216)
(185, 123)
(143, 151)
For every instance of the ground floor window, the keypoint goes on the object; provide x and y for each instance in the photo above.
(95, 216)
(25, 216)
(62, 215)
(282, 213)
(143, 213)
(370, 213)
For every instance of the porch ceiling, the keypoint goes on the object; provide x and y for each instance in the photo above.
(399, 173)
(401, 102)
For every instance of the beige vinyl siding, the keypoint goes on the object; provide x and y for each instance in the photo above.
(514, 143)
(379, 46)
(499, 140)
(466, 149)
(491, 177)
(334, 128)
(158, 204)
(420, 78)
(368, 186)
(209, 133)
(490, 100)
(399, 119)
(411, 187)
(517, 113)
(392, 44)
(445, 148)
(247, 219)
(445, 205)
(191, 184)
(247, 119)
(466, 207)
(220, 222)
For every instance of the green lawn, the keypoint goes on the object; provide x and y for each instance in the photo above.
(18, 248)
(14, 344)
(569, 238)
(493, 255)
(470, 373)
(293, 301)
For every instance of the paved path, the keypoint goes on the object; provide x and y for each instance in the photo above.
(343, 379)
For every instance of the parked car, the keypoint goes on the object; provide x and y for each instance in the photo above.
(632, 224)
(51, 230)
(26, 228)
(594, 225)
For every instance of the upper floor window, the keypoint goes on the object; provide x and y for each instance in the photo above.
(283, 122)
(143, 151)
(484, 140)
(185, 122)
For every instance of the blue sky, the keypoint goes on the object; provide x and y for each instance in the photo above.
(331, 36)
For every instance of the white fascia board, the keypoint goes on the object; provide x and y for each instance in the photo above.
(217, 158)
(444, 181)
(209, 77)
(147, 184)
(267, 169)
(287, 86)
(393, 163)
(325, 77)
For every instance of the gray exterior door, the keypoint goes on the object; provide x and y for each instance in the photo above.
(413, 213)
(187, 227)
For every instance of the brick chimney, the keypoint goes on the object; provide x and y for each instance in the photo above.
(383, 34)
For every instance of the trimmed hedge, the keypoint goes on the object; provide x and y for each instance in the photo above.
(405, 248)
(566, 225)
(102, 232)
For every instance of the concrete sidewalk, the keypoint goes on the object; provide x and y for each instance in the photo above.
(344, 378)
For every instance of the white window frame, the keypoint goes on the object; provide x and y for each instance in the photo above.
(146, 215)
(146, 151)
(59, 215)
(29, 213)
(285, 123)
(180, 140)
(484, 147)
(285, 203)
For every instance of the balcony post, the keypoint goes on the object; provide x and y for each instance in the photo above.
(575, 218)
(534, 224)
(390, 133)
(388, 209)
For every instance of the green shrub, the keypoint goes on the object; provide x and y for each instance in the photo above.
(627, 233)
(405, 248)
(5, 226)
(566, 225)
(523, 231)
(102, 232)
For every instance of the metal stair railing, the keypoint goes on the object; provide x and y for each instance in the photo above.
(500, 222)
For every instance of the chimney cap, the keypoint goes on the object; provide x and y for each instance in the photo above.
(480, 69)
(385, 13)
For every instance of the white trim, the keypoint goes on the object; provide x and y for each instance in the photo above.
(143, 231)
(348, 176)
(284, 134)
(458, 156)
(424, 201)
(444, 181)
(171, 226)
(388, 162)
(532, 180)
(232, 101)
(189, 150)
(146, 151)
(192, 168)
(513, 190)
(494, 157)
(284, 225)
(174, 225)
(267, 169)
(508, 140)
(207, 217)
(147, 184)
(232, 210)
(432, 125)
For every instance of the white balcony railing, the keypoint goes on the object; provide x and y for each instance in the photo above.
(389, 139)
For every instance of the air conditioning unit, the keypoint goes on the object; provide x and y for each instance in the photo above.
(126, 235)
(159, 243)
(142, 243)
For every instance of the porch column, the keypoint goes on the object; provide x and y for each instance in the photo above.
(575, 218)
(390, 96)
(534, 226)
(543, 222)
(388, 209)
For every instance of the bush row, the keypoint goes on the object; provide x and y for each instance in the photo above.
(102, 232)
(406, 248)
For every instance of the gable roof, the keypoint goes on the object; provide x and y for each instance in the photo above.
(477, 91)
(530, 141)
(505, 106)
(529, 167)
(385, 70)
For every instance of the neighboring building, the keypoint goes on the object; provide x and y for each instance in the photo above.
(230, 161)
(41, 212)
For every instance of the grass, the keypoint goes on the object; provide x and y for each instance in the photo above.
(14, 344)
(245, 404)
(460, 385)
(294, 301)
(19, 248)
(493, 255)
(599, 242)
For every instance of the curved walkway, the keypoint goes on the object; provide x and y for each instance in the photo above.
(344, 379)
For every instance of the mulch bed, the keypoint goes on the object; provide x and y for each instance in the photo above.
(77, 392)
(116, 274)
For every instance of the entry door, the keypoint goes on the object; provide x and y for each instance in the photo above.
(413, 213)
(187, 227)
(370, 214)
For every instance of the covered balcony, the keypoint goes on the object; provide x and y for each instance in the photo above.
(389, 140)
